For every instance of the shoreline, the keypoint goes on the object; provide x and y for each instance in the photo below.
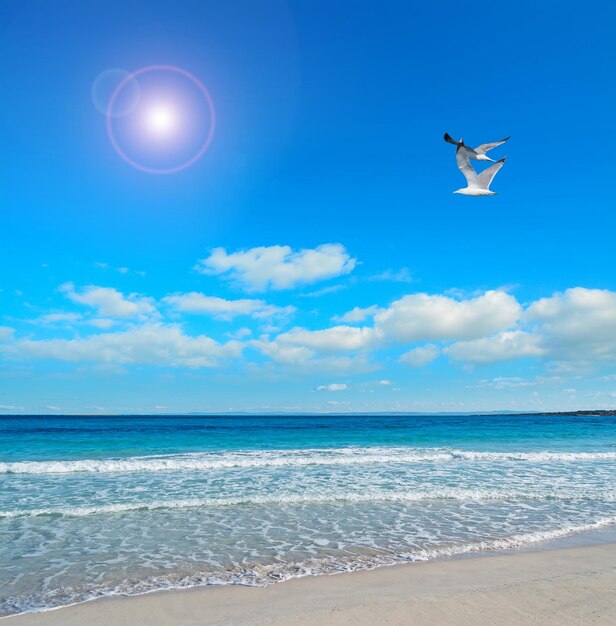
(553, 585)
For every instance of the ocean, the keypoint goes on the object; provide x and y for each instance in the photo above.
(94, 506)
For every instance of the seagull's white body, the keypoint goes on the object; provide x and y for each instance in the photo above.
(478, 184)
(478, 153)
(468, 191)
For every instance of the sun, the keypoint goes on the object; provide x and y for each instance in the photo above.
(172, 124)
(161, 120)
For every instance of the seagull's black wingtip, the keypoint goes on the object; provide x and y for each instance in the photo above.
(449, 139)
(502, 160)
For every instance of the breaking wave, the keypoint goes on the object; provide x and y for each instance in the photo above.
(451, 493)
(280, 458)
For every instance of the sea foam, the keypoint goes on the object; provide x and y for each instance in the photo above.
(367, 496)
(281, 458)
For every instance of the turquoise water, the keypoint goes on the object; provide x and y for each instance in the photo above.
(106, 505)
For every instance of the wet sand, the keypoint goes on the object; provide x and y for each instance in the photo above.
(563, 586)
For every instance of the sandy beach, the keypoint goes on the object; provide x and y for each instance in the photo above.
(563, 586)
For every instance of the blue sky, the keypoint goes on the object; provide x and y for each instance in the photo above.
(327, 186)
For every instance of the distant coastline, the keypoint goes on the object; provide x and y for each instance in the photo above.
(581, 413)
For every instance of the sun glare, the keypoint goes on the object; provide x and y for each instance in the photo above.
(161, 120)
(170, 127)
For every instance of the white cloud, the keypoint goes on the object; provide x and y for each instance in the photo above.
(357, 314)
(71, 319)
(418, 357)
(506, 382)
(577, 325)
(332, 387)
(6, 332)
(308, 359)
(402, 275)
(240, 333)
(278, 267)
(121, 270)
(334, 339)
(101, 322)
(340, 348)
(59, 318)
(284, 354)
(423, 317)
(504, 346)
(194, 302)
(110, 302)
(574, 327)
(151, 344)
(384, 382)
(323, 291)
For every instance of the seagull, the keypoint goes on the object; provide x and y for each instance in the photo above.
(478, 184)
(478, 153)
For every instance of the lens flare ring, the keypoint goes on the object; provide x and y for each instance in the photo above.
(110, 117)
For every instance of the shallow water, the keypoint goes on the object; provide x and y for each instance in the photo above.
(94, 506)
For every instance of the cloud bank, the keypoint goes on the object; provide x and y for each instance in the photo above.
(573, 328)
(150, 344)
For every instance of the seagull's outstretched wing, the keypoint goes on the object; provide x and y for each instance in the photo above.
(450, 139)
(485, 178)
(485, 147)
(464, 165)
